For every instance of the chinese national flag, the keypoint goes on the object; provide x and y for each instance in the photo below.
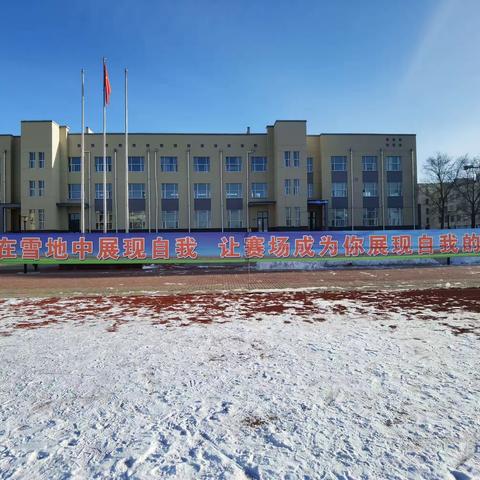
(107, 89)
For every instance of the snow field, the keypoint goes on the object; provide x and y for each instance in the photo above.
(269, 386)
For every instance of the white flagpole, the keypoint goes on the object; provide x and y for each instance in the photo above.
(104, 154)
(82, 160)
(127, 213)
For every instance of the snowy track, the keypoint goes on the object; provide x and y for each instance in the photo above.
(274, 385)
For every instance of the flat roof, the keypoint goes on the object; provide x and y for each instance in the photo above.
(175, 133)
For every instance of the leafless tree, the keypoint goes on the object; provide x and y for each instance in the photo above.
(467, 187)
(441, 171)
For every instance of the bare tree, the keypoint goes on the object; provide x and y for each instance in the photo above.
(467, 187)
(441, 171)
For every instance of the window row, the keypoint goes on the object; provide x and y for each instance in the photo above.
(393, 163)
(169, 219)
(170, 164)
(370, 189)
(339, 217)
(168, 190)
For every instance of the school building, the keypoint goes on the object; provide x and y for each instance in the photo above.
(281, 179)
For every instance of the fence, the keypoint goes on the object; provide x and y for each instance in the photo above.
(208, 247)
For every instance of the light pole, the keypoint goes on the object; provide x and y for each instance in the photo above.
(473, 213)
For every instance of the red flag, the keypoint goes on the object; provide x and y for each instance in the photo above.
(107, 89)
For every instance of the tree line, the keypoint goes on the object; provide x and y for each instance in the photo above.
(453, 179)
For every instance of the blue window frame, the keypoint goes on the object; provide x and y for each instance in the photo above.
(259, 164)
(169, 190)
(233, 190)
(136, 191)
(310, 165)
(168, 164)
(233, 164)
(99, 164)
(99, 191)
(136, 164)
(259, 190)
(74, 191)
(74, 164)
(369, 163)
(339, 163)
(201, 190)
(201, 164)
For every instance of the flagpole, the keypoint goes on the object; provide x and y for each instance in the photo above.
(82, 159)
(127, 213)
(104, 153)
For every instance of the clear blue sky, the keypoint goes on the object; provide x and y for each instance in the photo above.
(409, 66)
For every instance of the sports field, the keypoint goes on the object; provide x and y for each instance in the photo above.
(341, 374)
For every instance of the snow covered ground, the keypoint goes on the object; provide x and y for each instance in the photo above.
(307, 385)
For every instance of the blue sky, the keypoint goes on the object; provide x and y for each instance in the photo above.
(408, 66)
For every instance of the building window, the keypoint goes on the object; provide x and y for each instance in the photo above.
(288, 216)
(339, 189)
(201, 164)
(309, 164)
(203, 218)
(297, 212)
(235, 218)
(99, 191)
(201, 190)
(74, 191)
(259, 190)
(74, 164)
(287, 186)
(41, 159)
(310, 190)
(138, 220)
(287, 159)
(259, 164)
(370, 217)
(296, 186)
(339, 217)
(393, 163)
(369, 163)
(136, 191)
(233, 190)
(169, 190)
(395, 217)
(99, 221)
(296, 159)
(168, 164)
(32, 188)
(170, 219)
(99, 164)
(394, 189)
(370, 189)
(339, 163)
(233, 164)
(41, 219)
(136, 164)
(41, 188)
(31, 160)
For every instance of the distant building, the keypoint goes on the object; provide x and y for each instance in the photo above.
(281, 179)
(456, 215)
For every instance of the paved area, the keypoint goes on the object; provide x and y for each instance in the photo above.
(52, 281)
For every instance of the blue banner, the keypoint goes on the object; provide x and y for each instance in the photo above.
(234, 246)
